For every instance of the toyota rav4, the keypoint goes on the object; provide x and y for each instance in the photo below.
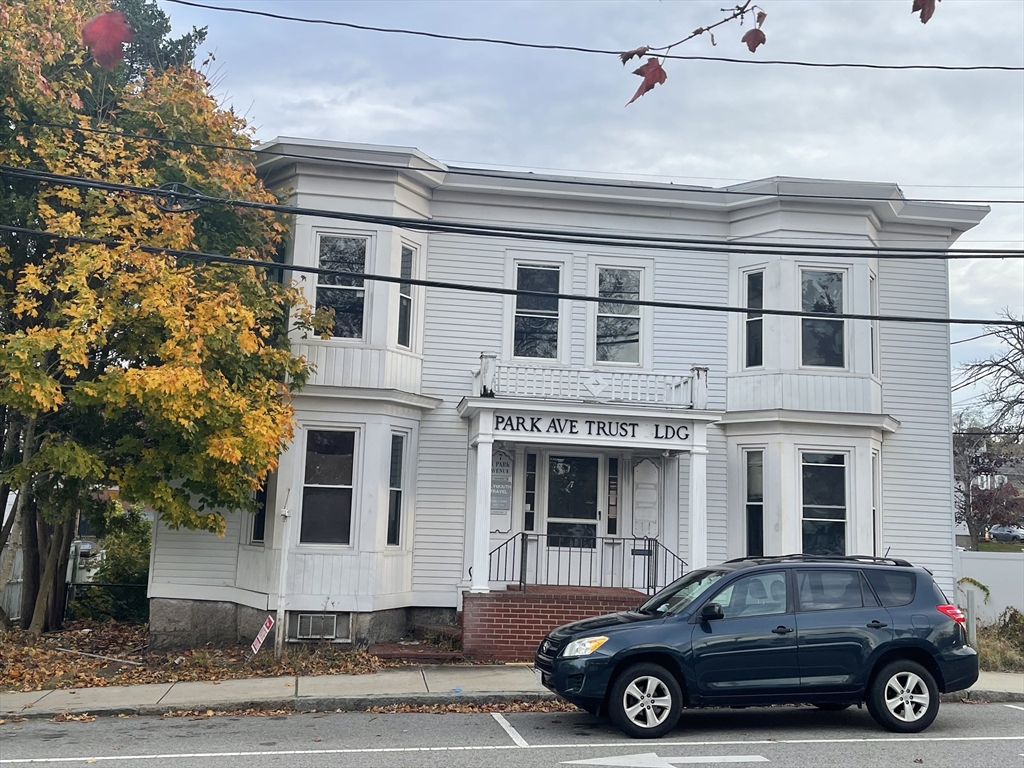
(826, 631)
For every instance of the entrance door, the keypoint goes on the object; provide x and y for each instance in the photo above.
(573, 537)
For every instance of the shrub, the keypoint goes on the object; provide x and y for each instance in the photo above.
(126, 547)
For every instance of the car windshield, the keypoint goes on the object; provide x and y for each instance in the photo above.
(680, 593)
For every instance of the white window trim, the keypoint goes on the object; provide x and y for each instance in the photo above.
(846, 270)
(415, 296)
(515, 258)
(850, 519)
(355, 517)
(404, 529)
(745, 320)
(596, 262)
(876, 501)
(369, 268)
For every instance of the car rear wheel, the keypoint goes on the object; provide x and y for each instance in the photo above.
(903, 697)
(645, 702)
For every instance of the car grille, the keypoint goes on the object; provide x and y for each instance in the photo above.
(545, 655)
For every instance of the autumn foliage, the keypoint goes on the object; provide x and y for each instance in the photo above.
(167, 379)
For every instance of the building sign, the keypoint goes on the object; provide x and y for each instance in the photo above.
(501, 482)
(591, 430)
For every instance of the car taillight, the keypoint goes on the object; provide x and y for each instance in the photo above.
(953, 612)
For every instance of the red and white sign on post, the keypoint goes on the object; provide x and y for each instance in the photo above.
(262, 634)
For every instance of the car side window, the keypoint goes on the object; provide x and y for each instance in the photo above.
(760, 594)
(828, 590)
(892, 587)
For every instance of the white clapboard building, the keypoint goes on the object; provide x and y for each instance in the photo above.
(454, 441)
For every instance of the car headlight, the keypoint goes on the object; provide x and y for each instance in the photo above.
(584, 646)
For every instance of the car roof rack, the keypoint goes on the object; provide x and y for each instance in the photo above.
(797, 557)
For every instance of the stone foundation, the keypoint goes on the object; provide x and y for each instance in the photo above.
(179, 624)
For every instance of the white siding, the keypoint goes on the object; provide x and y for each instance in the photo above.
(917, 488)
(196, 557)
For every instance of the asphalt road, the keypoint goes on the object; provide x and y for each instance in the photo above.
(963, 736)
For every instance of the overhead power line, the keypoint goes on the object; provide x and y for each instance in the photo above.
(576, 237)
(598, 51)
(277, 266)
(495, 174)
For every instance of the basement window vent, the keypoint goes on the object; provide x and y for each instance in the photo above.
(317, 626)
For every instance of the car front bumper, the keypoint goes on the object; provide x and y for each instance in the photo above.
(581, 680)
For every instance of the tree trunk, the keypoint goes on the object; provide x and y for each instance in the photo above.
(30, 563)
(59, 594)
(46, 582)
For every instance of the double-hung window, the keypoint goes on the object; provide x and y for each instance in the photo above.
(822, 340)
(259, 518)
(754, 323)
(823, 479)
(755, 503)
(344, 294)
(536, 316)
(405, 300)
(395, 478)
(618, 323)
(327, 487)
(873, 293)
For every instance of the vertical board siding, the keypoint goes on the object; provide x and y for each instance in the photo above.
(257, 569)
(917, 489)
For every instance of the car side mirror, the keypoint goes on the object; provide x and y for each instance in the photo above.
(712, 611)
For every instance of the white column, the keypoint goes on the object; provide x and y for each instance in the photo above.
(482, 513)
(698, 507)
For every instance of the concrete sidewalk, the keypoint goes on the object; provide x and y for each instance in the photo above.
(405, 685)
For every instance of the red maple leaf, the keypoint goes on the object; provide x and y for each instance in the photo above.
(753, 39)
(103, 35)
(653, 75)
(638, 52)
(926, 7)
(761, 16)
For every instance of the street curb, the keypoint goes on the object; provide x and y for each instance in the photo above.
(361, 703)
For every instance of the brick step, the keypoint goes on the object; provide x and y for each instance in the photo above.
(419, 652)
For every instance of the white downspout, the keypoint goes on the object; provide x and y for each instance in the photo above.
(282, 580)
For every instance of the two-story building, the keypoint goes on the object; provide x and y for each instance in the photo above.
(454, 441)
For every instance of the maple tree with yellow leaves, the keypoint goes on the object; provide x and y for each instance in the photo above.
(167, 379)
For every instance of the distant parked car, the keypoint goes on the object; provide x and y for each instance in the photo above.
(1006, 533)
(826, 631)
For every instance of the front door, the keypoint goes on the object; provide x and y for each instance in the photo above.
(753, 649)
(573, 539)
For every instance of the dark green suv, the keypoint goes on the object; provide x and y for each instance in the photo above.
(827, 631)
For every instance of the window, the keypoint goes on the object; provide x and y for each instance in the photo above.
(754, 322)
(755, 503)
(893, 588)
(824, 503)
(613, 496)
(536, 317)
(344, 295)
(259, 520)
(822, 340)
(876, 498)
(327, 488)
(873, 292)
(618, 324)
(531, 492)
(761, 594)
(395, 490)
(405, 300)
(829, 590)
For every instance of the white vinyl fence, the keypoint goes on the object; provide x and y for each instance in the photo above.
(1001, 572)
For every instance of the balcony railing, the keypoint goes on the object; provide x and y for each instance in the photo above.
(540, 382)
(536, 559)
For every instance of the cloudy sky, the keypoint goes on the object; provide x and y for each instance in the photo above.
(950, 135)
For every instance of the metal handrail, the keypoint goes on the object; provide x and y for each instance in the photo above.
(539, 559)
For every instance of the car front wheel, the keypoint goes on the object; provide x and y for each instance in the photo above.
(645, 702)
(903, 697)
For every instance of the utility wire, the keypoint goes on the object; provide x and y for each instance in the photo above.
(493, 174)
(577, 237)
(273, 265)
(599, 51)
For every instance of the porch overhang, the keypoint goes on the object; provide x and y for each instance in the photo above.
(594, 425)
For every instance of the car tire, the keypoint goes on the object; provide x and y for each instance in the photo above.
(828, 706)
(903, 697)
(645, 701)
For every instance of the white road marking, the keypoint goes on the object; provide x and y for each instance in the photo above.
(483, 748)
(512, 732)
(1014, 706)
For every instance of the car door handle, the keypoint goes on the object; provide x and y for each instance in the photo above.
(876, 624)
(782, 630)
